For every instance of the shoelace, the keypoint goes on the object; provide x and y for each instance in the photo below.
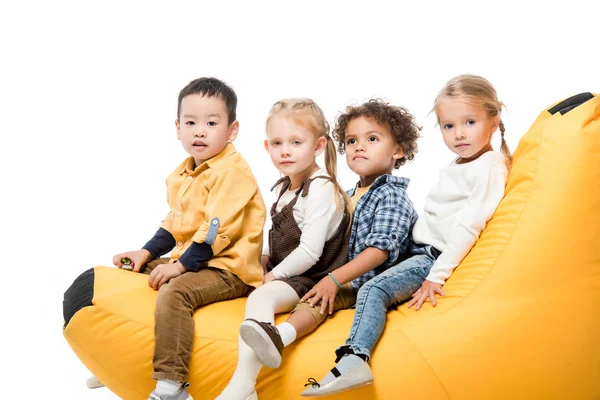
(313, 382)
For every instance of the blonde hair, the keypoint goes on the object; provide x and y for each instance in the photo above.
(307, 113)
(480, 91)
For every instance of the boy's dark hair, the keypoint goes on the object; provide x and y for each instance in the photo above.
(398, 120)
(211, 87)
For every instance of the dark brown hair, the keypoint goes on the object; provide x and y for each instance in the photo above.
(211, 87)
(398, 120)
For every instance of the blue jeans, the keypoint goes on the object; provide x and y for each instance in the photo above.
(393, 286)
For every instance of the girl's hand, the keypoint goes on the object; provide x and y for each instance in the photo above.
(163, 273)
(427, 289)
(138, 259)
(269, 277)
(324, 292)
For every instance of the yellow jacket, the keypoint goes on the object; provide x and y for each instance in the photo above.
(218, 203)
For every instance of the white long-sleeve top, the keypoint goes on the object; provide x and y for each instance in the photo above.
(317, 217)
(457, 209)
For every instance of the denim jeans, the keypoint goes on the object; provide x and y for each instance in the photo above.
(393, 286)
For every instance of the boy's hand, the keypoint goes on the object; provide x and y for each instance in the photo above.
(427, 289)
(324, 292)
(163, 273)
(269, 277)
(264, 260)
(138, 259)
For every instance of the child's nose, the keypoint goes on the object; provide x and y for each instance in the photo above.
(285, 150)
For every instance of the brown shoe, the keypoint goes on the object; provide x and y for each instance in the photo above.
(264, 339)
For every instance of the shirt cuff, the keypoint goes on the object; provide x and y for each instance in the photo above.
(388, 242)
(196, 255)
(161, 243)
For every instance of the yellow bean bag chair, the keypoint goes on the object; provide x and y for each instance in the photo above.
(519, 319)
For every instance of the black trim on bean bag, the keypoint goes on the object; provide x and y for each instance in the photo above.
(567, 105)
(79, 295)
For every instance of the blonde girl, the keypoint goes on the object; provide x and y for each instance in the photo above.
(307, 239)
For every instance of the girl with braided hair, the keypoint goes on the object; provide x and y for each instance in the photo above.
(308, 237)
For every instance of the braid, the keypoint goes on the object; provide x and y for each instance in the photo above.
(331, 166)
(503, 146)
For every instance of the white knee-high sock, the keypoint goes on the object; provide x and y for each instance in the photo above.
(243, 381)
(287, 333)
(266, 301)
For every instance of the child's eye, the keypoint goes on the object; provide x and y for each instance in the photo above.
(470, 122)
(275, 143)
(448, 126)
(351, 141)
(190, 123)
(212, 123)
(373, 139)
(296, 143)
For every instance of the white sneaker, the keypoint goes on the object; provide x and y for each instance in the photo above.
(353, 379)
(93, 383)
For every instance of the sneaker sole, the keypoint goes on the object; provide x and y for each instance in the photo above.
(329, 393)
(255, 337)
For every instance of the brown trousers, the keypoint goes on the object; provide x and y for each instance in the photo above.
(175, 306)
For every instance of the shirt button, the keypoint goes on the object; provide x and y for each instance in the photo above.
(215, 222)
(189, 178)
(178, 213)
(180, 244)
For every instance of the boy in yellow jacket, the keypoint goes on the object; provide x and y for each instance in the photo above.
(214, 231)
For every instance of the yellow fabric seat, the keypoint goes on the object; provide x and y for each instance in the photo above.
(517, 321)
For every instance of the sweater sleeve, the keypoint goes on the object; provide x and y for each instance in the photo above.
(478, 210)
(320, 217)
(161, 243)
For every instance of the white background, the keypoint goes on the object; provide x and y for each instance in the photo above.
(88, 101)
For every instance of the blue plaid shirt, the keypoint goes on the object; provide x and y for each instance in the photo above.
(383, 218)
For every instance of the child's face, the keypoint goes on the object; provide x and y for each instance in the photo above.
(292, 146)
(370, 149)
(203, 126)
(467, 128)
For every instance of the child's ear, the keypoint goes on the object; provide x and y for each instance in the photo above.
(321, 144)
(233, 130)
(495, 123)
(266, 143)
(398, 153)
(177, 129)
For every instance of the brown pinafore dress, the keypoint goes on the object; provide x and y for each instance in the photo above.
(284, 237)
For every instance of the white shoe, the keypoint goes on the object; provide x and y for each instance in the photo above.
(93, 383)
(355, 378)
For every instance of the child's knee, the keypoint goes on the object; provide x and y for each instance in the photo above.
(307, 310)
(169, 296)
